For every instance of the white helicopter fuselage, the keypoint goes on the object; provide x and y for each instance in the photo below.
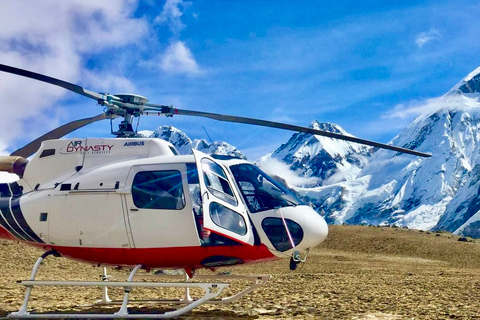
(135, 201)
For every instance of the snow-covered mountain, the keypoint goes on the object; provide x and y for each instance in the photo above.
(328, 160)
(441, 192)
(184, 144)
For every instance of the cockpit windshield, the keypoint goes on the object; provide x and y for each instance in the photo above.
(260, 191)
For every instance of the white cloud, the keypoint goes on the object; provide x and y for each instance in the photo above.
(171, 15)
(416, 108)
(275, 167)
(5, 176)
(426, 37)
(279, 115)
(397, 118)
(52, 38)
(113, 83)
(179, 59)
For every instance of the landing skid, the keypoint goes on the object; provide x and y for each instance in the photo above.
(211, 291)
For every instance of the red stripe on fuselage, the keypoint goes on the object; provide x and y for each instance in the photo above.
(4, 234)
(176, 257)
(179, 257)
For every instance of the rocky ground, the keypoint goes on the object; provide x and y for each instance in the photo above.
(358, 273)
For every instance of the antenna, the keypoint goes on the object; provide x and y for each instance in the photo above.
(207, 135)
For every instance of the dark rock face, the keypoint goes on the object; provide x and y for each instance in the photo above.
(471, 86)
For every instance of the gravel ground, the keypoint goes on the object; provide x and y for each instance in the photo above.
(358, 273)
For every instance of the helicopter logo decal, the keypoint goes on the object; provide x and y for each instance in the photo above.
(134, 144)
(76, 146)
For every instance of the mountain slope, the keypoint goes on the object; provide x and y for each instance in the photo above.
(411, 191)
(329, 160)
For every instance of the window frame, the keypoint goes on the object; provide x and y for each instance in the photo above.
(230, 198)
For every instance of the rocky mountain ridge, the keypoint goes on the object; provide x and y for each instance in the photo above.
(185, 145)
(329, 160)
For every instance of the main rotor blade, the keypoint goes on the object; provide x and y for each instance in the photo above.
(264, 123)
(57, 133)
(40, 77)
(32, 147)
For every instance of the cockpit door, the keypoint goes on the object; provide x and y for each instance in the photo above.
(223, 211)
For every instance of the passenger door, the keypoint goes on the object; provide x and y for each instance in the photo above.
(159, 214)
(223, 211)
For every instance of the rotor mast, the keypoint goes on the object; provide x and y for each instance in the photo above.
(128, 106)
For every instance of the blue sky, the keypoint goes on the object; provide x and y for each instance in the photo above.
(368, 66)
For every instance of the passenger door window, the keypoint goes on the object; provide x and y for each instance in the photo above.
(158, 190)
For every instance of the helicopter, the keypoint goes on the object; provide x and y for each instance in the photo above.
(134, 202)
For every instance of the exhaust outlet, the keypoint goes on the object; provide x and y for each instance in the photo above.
(13, 164)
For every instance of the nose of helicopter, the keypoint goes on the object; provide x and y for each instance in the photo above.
(315, 229)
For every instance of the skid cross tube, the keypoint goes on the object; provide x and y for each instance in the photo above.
(256, 281)
(105, 298)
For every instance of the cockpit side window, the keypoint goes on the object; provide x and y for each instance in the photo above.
(248, 191)
(158, 190)
(217, 182)
(260, 191)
